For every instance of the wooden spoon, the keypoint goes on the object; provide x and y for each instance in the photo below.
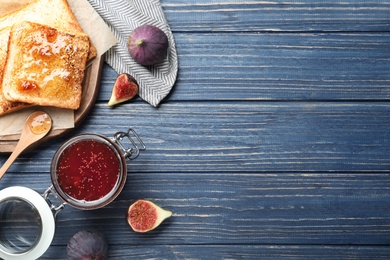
(37, 125)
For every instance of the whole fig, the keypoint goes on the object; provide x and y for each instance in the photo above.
(87, 245)
(148, 45)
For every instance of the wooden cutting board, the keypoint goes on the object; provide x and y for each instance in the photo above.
(90, 92)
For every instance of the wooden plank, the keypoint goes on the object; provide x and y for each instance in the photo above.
(120, 252)
(275, 16)
(280, 66)
(243, 136)
(245, 209)
(250, 137)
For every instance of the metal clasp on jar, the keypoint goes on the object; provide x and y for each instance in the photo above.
(54, 208)
(132, 151)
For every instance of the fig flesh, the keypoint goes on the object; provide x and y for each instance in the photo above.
(125, 88)
(148, 45)
(144, 216)
(87, 245)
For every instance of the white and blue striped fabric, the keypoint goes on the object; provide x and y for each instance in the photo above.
(123, 16)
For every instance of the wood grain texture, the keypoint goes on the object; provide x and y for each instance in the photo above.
(245, 136)
(273, 144)
(239, 210)
(276, 16)
(239, 252)
(279, 66)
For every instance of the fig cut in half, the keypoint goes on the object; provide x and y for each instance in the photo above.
(125, 88)
(144, 216)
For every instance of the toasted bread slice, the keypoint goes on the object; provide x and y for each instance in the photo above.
(45, 66)
(8, 6)
(5, 105)
(54, 13)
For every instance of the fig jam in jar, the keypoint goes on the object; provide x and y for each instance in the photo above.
(88, 171)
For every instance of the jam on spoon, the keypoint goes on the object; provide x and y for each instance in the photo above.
(37, 125)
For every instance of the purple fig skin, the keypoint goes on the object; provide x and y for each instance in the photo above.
(148, 45)
(87, 245)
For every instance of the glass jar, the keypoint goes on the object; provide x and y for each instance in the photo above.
(88, 171)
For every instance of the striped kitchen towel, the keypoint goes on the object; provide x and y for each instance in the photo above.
(123, 16)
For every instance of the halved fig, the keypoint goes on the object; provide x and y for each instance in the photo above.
(144, 216)
(125, 88)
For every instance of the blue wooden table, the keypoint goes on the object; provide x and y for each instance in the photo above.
(274, 142)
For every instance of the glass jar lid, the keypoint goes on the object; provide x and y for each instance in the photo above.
(27, 224)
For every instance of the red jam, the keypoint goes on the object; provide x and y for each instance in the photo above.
(88, 170)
